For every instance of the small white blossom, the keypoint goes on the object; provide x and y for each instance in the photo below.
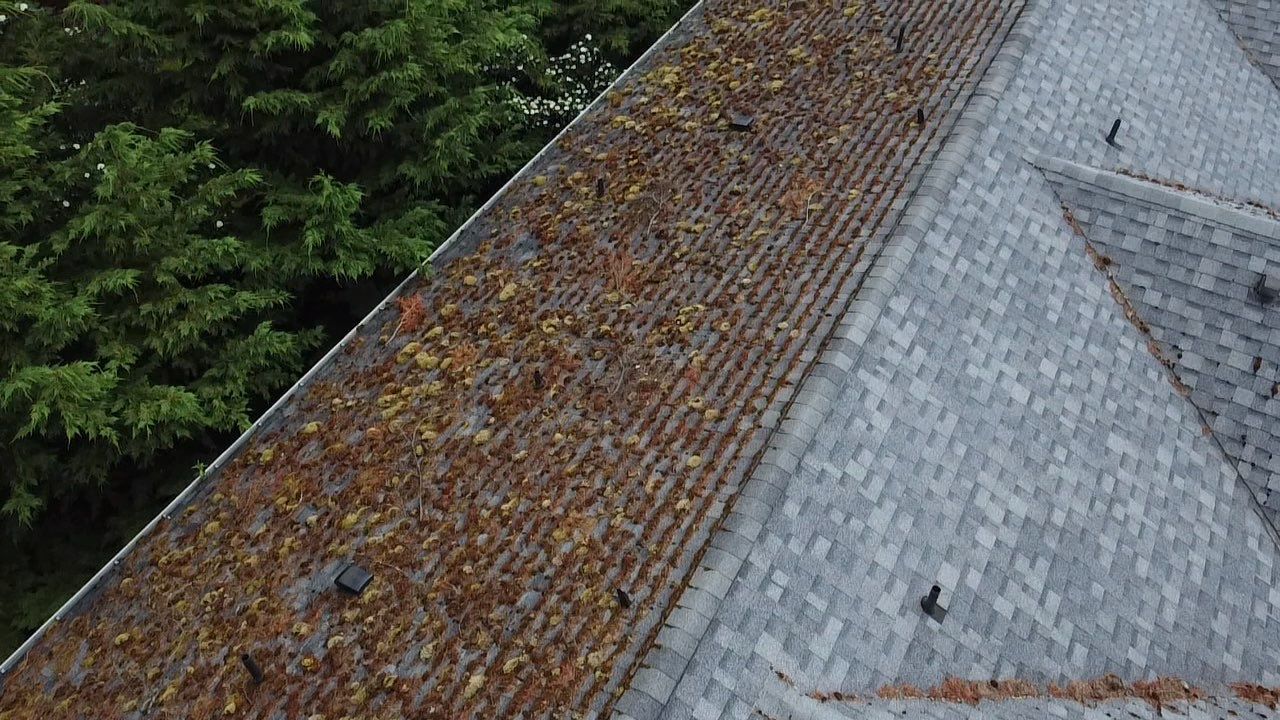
(218, 224)
(86, 174)
(23, 7)
(3, 18)
(76, 146)
(212, 166)
(66, 204)
(102, 166)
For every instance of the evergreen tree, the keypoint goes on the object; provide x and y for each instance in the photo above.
(377, 125)
(131, 314)
(142, 270)
(622, 28)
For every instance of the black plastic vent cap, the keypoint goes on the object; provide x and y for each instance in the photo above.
(1267, 289)
(353, 579)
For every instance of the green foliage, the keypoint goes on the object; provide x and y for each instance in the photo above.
(389, 104)
(149, 283)
(129, 318)
(622, 28)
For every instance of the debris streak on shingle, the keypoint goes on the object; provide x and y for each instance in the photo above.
(1217, 707)
(560, 412)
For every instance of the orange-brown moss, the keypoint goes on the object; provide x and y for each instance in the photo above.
(1258, 694)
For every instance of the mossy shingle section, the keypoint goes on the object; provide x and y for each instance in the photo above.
(1188, 264)
(558, 414)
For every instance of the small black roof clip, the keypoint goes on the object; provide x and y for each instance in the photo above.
(740, 121)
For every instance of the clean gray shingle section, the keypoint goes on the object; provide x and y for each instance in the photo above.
(1189, 270)
(1002, 430)
(1257, 24)
(792, 704)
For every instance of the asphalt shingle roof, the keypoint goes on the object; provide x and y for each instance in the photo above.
(1189, 266)
(1257, 24)
(1000, 428)
(558, 413)
(773, 385)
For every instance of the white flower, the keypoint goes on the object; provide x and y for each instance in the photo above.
(3, 18)
(86, 174)
(218, 224)
(76, 146)
(587, 37)
(102, 166)
(66, 204)
(212, 166)
(23, 7)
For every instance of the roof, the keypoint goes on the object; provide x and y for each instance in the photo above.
(1190, 264)
(529, 447)
(1256, 24)
(1001, 428)
(773, 384)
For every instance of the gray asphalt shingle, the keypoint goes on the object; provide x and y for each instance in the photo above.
(1193, 283)
(1257, 25)
(1002, 429)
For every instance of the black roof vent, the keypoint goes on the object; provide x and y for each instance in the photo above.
(255, 670)
(353, 579)
(1111, 136)
(1267, 289)
(740, 121)
(929, 604)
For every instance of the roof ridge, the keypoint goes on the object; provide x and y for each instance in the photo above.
(1246, 216)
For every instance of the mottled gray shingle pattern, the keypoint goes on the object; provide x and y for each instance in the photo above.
(1188, 265)
(993, 423)
(1257, 24)
(800, 707)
